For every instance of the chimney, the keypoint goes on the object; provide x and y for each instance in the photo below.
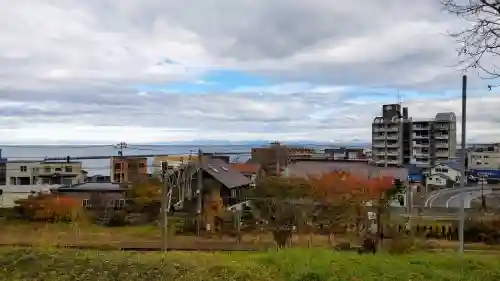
(405, 112)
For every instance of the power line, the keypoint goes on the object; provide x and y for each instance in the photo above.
(194, 145)
(54, 146)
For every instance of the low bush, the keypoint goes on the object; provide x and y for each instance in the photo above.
(290, 265)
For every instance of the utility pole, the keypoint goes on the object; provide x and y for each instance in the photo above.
(120, 148)
(483, 199)
(164, 207)
(278, 148)
(199, 191)
(462, 162)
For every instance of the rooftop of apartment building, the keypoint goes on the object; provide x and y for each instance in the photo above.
(440, 117)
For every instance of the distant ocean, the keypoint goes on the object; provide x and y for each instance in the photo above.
(101, 166)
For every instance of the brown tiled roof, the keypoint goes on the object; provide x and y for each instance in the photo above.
(246, 167)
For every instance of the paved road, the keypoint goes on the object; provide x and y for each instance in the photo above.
(450, 198)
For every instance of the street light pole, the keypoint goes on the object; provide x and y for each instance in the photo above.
(462, 168)
(483, 200)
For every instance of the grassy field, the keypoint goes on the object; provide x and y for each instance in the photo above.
(145, 237)
(138, 237)
(289, 265)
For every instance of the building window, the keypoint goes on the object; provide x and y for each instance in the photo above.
(117, 203)
(57, 169)
(86, 203)
(118, 166)
(24, 168)
(141, 165)
(68, 169)
(47, 169)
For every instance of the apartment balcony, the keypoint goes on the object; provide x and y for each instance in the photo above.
(393, 162)
(377, 137)
(391, 129)
(415, 136)
(378, 129)
(393, 145)
(416, 144)
(442, 154)
(420, 162)
(379, 153)
(394, 153)
(420, 128)
(417, 153)
(441, 145)
(441, 128)
(441, 137)
(392, 137)
(378, 144)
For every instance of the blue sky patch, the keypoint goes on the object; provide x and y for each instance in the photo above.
(213, 81)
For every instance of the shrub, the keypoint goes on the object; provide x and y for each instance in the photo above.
(117, 218)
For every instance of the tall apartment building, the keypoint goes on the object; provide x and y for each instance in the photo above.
(125, 169)
(390, 136)
(398, 140)
(434, 140)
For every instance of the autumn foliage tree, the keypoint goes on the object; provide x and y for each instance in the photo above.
(50, 208)
(144, 197)
(334, 200)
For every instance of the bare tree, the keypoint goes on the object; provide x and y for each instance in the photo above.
(480, 42)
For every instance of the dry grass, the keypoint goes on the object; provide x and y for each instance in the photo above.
(146, 237)
(137, 237)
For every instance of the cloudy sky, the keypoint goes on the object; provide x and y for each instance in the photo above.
(163, 70)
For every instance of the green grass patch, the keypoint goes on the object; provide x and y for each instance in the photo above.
(289, 265)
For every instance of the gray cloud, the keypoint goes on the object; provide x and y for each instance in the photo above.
(73, 65)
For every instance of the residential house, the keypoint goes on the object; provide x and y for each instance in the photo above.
(443, 175)
(173, 161)
(485, 157)
(95, 195)
(98, 178)
(21, 172)
(125, 169)
(59, 172)
(254, 172)
(29, 172)
(276, 157)
(221, 177)
(11, 193)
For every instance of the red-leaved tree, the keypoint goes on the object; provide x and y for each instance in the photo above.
(50, 207)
